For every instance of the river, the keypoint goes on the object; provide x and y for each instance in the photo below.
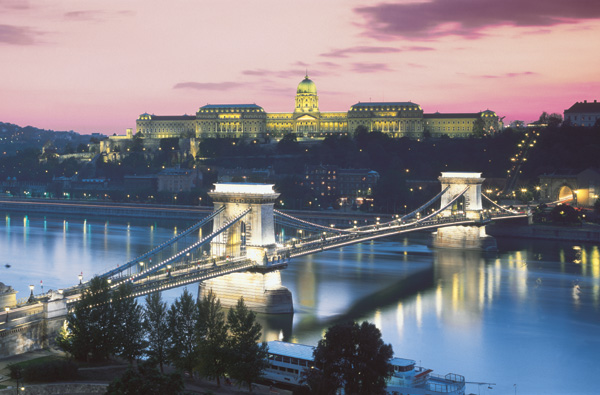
(526, 319)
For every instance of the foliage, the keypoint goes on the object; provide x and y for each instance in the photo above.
(90, 326)
(129, 332)
(352, 357)
(249, 357)
(156, 327)
(564, 214)
(183, 343)
(212, 338)
(45, 371)
(146, 380)
(288, 144)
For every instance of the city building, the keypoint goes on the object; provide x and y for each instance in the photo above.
(178, 180)
(583, 114)
(345, 184)
(397, 119)
(575, 188)
(460, 124)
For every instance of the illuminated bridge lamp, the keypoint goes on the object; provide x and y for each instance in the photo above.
(7, 309)
(80, 277)
(30, 295)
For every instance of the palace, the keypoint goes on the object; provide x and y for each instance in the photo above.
(398, 119)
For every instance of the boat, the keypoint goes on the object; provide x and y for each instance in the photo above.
(287, 362)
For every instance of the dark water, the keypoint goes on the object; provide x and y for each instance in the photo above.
(529, 315)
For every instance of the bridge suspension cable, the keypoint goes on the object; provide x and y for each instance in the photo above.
(451, 202)
(499, 206)
(311, 224)
(164, 245)
(181, 253)
(423, 207)
(409, 215)
(295, 225)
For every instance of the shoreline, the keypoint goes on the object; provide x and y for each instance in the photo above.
(584, 233)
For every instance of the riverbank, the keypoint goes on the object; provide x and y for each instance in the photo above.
(586, 233)
(103, 209)
(95, 380)
(92, 208)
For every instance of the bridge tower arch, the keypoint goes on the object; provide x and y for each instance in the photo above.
(457, 182)
(469, 206)
(252, 237)
(255, 231)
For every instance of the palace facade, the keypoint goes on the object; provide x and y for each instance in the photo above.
(398, 119)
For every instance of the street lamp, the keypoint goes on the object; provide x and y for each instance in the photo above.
(80, 277)
(31, 295)
(7, 309)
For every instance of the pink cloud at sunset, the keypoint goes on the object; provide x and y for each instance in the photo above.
(95, 66)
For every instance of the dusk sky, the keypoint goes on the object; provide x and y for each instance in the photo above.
(94, 66)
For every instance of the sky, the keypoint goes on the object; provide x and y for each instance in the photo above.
(95, 66)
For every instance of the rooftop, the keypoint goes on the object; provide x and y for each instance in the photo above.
(246, 188)
(438, 115)
(384, 103)
(293, 350)
(221, 106)
(584, 107)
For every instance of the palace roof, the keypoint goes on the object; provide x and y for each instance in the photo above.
(452, 115)
(223, 106)
(173, 117)
(584, 107)
(384, 103)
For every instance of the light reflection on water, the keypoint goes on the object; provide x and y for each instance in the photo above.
(528, 315)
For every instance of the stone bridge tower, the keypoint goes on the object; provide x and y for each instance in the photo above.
(252, 237)
(469, 205)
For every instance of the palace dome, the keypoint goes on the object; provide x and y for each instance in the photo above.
(307, 86)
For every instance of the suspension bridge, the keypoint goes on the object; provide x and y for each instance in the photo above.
(248, 246)
(242, 246)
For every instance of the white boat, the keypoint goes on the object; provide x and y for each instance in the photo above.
(287, 361)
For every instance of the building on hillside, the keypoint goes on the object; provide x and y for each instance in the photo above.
(347, 185)
(583, 114)
(144, 182)
(238, 174)
(577, 189)
(178, 180)
(461, 124)
(397, 119)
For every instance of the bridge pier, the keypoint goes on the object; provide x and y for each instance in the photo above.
(262, 291)
(464, 237)
(252, 237)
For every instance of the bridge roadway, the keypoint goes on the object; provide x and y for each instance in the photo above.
(184, 273)
(311, 245)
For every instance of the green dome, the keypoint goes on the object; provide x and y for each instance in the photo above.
(307, 86)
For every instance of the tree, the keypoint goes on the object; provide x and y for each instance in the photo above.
(249, 358)
(157, 329)
(479, 127)
(183, 342)
(355, 358)
(129, 332)
(288, 144)
(564, 214)
(212, 338)
(90, 325)
(146, 380)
